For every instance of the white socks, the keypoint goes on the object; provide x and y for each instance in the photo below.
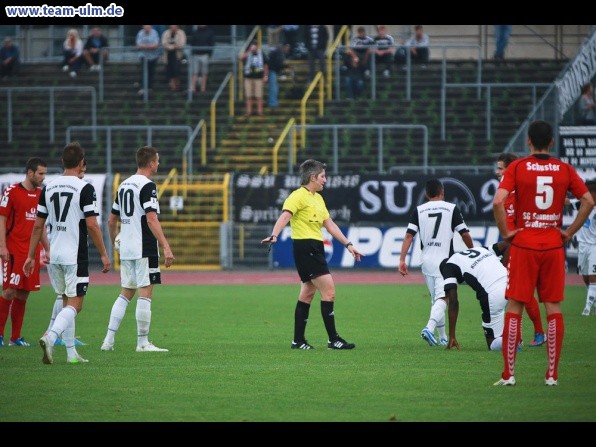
(58, 305)
(63, 320)
(437, 317)
(143, 315)
(116, 316)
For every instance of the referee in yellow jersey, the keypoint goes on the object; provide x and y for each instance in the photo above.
(306, 212)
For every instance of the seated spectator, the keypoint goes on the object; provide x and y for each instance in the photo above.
(353, 70)
(9, 58)
(418, 46)
(147, 41)
(173, 41)
(587, 106)
(73, 53)
(384, 50)
(360, 47)
(317, 39)
(96, 50)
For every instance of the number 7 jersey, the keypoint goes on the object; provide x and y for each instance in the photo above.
(136, 196)
(65, 202)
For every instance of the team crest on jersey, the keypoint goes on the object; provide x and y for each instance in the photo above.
(31, 214)
(154, 193)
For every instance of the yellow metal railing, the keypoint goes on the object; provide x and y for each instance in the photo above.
(257, 34)
(344, 33)
(196, 234)
(229, 80)
(318, 80)
(279, 142)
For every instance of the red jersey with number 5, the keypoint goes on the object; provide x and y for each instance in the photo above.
(541, 183)
(19, 206)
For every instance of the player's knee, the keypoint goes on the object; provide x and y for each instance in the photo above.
(9, 294)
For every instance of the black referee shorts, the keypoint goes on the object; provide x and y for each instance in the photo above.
(309, 257)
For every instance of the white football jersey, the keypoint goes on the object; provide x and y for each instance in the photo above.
(137, 196)
(65, 202)
(587, 233)
(435, 222)
(479, 267)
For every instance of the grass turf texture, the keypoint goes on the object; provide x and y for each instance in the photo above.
(230, 361)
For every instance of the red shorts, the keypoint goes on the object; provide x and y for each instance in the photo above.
(14, 278)
(531, 270)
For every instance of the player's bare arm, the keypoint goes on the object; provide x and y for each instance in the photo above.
(405, 246)
(585, 208)
(334, 231)
(96, 237)
(280, 224)
(501, 215)
(38, 229)
(155, 227)
(4, 255)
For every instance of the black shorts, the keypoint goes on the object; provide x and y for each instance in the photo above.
(309, 257)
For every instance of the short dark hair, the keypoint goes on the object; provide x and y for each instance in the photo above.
(310, 167)
(540, 134)
(72, 155)
(33, 163)
(506, 158)
(434, 188)
(145, 155)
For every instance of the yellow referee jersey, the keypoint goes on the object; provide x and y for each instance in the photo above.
(308, 214)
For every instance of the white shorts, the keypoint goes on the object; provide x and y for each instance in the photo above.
(69, 280)
(436, 286)
(200, 64)
(493, 310)
(586, 259)
(138, 273)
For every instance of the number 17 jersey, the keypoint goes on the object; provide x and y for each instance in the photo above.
(65, 202)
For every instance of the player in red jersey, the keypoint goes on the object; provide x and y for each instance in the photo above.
(18, 209)
(537, 255)
(532, 307)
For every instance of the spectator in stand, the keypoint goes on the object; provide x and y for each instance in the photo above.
(202, 39)
(360, 47)
(587, 106)
(256, 71)
(418, 46)
(96, 50)
(384, 50)
(9, 58)
(173, 41)
(291, 37)
(317, 40)
(502, 33)
(148, 43)
(277, 63)
(353, 75)
(73, 53)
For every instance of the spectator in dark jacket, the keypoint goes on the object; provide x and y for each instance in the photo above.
(277, 63)
(9, 58)
(202, 39)
(317, 39)
(95, 50)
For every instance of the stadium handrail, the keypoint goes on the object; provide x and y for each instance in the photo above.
(279, 142)
(317, 80)
(344, 32)
(229, 79)
(52, 106)
(187, 153)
